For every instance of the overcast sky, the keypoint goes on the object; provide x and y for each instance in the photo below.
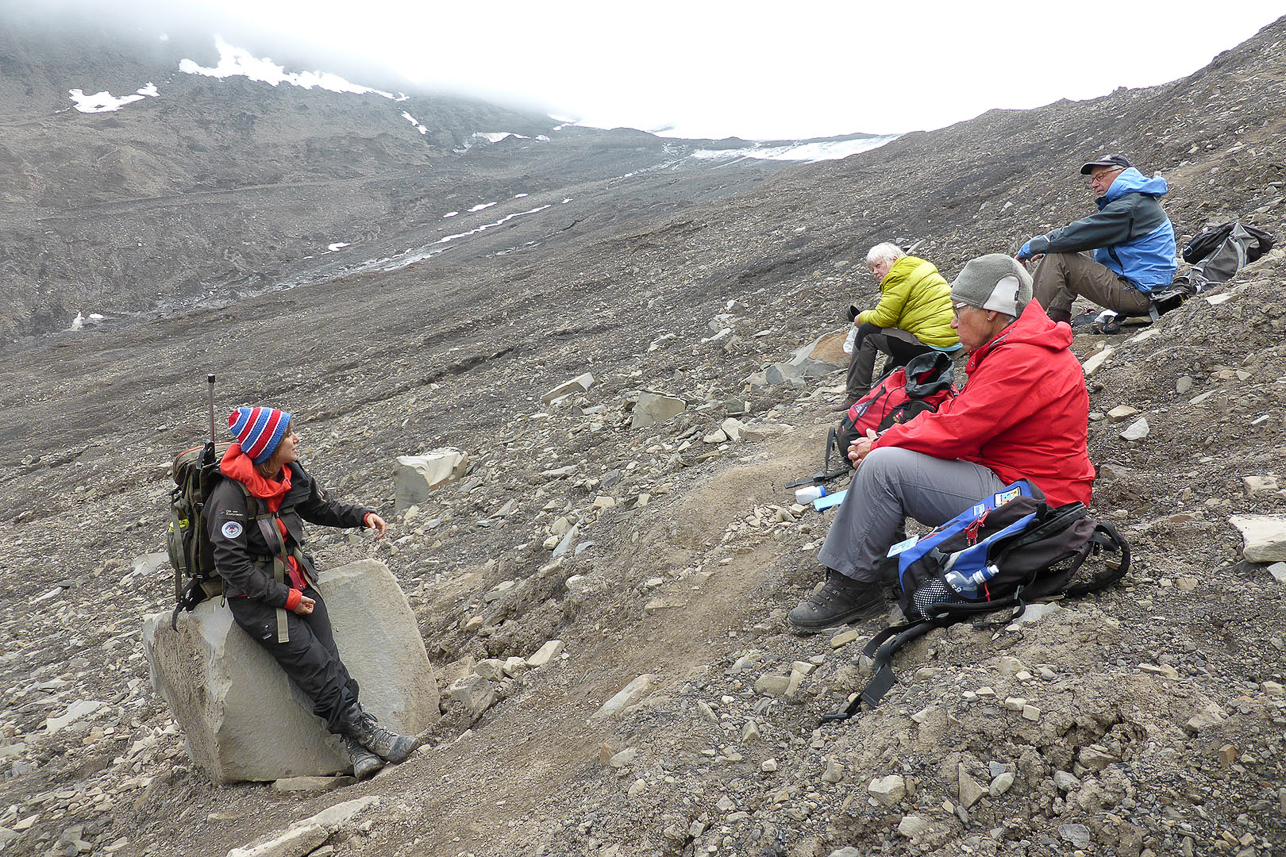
(767, 71)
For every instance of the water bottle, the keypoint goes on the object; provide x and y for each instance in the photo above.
(966, 585)
(804, 496)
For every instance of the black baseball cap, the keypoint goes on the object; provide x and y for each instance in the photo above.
(1106, 161)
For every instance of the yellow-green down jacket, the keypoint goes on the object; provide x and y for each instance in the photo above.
(915, 298)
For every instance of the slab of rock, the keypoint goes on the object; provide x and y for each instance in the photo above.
(1259, 484)
(579, 384)
(1264, 535)
(475, 693)
(732, 428)
(1096, 361)
(652, 408)
(626, 696)
(416, 476)
(970, 791)
(244, 720)
(304, 836)
(820, 357)
(1121, 413)
(546, 653)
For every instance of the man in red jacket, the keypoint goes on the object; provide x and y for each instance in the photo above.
(1024, 414)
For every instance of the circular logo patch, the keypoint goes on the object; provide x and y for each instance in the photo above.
(231, 530)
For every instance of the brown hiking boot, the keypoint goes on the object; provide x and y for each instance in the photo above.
(838, 601)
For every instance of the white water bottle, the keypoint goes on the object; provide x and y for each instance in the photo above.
(807, 494)
(966, 585)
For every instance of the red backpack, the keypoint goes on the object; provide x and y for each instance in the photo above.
(922, 385)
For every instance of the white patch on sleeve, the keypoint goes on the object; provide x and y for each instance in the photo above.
(231, 530)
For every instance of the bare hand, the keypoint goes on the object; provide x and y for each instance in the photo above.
(376, 523)
(861, 447)
(305, 606)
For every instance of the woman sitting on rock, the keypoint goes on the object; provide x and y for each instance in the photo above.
(255, 518)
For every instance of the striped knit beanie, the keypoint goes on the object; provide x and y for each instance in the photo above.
(258, 430)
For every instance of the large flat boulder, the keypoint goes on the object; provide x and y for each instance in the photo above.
(244, 720)
(417, 476)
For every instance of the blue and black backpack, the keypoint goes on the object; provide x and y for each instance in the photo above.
(1007, 550)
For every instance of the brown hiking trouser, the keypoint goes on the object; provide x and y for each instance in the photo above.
(1060, 277)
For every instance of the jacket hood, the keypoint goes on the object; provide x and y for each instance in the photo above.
(1133, 181)
(1033, 327)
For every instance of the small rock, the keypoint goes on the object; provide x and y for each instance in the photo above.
(1137, 430)
(1077, 834)
(1015, 703)
(887, 791)
(1032, 713)
(1208, 715)
(1121, 413)
(1227, 755)
(843, 638)
(1010, 666)
(1001, 784)
(772, 685)
(1066, 782)
(912, 826)
(623, 758)
(768, 766)
(834, 772)
(749, 732)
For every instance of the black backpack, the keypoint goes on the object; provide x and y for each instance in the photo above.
(1008, 549)
(1216, 254)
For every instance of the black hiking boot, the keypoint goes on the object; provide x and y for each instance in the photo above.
(365, 763)
(838, 601)
(383, 743)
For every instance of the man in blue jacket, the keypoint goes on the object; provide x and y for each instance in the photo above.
(1132, 240)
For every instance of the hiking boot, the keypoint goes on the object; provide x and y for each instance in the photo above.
(383, 743)
(838, 601)
(365, 763)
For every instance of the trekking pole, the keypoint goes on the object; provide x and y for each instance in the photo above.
(209, 379)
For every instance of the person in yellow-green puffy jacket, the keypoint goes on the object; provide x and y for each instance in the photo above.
(912, 318)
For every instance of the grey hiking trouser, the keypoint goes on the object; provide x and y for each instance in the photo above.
(893, 341)
(1060, 277)
(889, 486)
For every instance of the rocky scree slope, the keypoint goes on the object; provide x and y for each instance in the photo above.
(1151, 717)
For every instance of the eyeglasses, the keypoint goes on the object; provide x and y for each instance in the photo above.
(1095, 178)
(957, 308)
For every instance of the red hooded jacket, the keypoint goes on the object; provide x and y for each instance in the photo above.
(1024, 412)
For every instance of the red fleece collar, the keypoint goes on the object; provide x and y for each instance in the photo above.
(237, 465)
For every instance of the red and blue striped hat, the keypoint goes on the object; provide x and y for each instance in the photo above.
(258, 430)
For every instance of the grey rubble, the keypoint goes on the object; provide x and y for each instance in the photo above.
(1160, 719)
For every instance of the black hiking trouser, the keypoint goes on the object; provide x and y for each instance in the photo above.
(899, 345)
(309, 657)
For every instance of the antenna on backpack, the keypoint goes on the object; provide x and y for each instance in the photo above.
(209, 379)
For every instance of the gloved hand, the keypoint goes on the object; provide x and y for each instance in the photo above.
(1025, 252)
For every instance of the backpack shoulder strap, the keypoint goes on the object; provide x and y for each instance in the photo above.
(882, 647)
